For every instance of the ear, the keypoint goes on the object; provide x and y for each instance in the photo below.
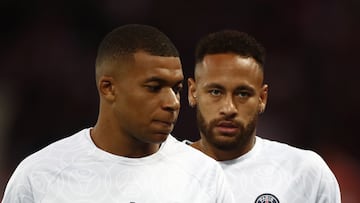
(263, 98)
(106, 87)
(191, 92)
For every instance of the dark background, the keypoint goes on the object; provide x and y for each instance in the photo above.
(48, 50)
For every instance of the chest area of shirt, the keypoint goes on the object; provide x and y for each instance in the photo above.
(113, 183)
(271, 182)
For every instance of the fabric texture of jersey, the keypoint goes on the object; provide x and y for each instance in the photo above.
(75, 170)
(277, 171)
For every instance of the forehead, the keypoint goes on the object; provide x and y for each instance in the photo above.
(228, 68)
(145, 65)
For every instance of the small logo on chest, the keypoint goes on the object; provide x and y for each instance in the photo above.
(267, 198)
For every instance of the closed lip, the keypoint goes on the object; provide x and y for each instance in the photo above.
(227, 124)
(166, 122)
(227, 128)
(164, 126)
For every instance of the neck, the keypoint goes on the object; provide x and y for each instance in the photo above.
(224, 154)
(114, 141)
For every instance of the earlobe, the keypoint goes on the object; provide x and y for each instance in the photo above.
(106, 87)
(192, 92)
(263, 98)
(261, 108)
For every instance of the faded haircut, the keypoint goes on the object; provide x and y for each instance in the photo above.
(126, 40)
(230, 41)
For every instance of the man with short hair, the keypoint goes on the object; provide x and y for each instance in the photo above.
(129, 155)
(229, 95)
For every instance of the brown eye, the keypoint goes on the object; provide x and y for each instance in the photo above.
(244, 94)
(153, 88)
(215, 92)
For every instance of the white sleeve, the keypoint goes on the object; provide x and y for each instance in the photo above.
(18, 189)
(329, 190)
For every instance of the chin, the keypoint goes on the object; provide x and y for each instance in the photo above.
(225, 142)
(158, 138)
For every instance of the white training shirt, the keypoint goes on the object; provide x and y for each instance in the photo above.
(75, 170)
(274, 172)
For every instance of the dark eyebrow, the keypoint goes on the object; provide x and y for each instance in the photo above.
(239, 88)
(245, 87)
(155, 79)
(161, 81)
(214, 85)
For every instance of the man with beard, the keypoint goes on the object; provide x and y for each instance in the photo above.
(229, 94)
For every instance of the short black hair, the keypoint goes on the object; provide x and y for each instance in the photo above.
(230, 41)
(131, 38)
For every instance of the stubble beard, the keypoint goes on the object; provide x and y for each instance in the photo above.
(241, 139)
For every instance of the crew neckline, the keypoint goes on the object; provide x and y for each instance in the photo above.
(107, 156)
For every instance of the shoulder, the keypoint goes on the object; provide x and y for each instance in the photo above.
(184, 150)
(192, 161)
(39, 168)
(189, 158)
(201, 168)
(57, 152)
(282, 150)
(308, 162)
(308, 165)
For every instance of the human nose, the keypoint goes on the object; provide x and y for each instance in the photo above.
(171, 100)
(229, 107)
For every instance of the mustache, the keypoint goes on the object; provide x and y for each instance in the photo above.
(226, 121)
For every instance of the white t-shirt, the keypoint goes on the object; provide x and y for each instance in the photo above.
(275, 172)
(75, 170)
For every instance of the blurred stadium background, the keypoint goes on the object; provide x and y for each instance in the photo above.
(48, 49)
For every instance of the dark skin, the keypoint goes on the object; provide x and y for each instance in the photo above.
(229, 93)
(139, 104)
